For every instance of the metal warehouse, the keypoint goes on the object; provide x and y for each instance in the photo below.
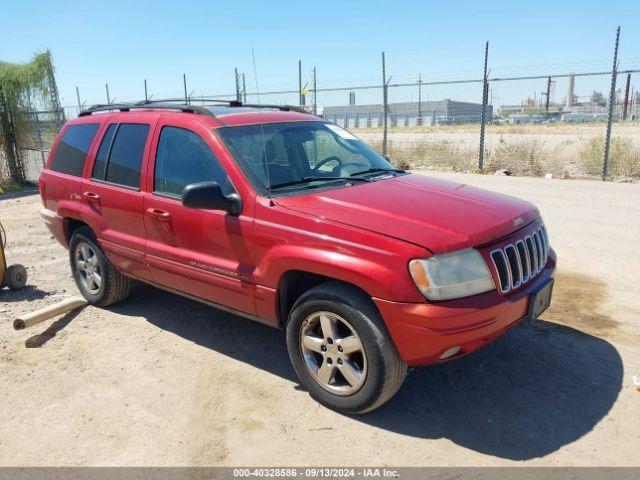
(406, 114)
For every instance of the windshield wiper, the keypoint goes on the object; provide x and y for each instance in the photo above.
(315, 178)
(379, 169)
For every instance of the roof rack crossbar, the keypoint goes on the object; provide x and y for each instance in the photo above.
(178, 104)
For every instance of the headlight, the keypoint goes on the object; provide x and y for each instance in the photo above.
(452, 275)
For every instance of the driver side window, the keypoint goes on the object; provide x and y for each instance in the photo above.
(183, 157)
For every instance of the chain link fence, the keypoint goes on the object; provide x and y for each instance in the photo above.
(534, 124)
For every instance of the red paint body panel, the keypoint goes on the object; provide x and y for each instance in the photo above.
(443, 215)
(364, 234)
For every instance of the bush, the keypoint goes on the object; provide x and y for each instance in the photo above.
(525, 159)
(624, 158)
(436, 154)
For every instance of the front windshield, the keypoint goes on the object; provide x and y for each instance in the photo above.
(297, 156)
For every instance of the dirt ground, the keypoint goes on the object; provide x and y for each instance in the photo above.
(160, 380)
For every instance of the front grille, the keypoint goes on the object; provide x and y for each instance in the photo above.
(518, 262)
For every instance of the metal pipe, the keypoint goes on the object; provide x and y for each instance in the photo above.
(315, 92)
(184, 81)
(626, 97)
(612, 96)
(38, 316)
(300, 96)
(483, 118)
(385, 107)
(238, 98)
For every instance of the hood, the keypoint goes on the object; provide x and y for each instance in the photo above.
(439, 215)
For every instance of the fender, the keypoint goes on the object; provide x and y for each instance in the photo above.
(387, 280)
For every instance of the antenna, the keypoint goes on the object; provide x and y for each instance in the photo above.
(255, 72)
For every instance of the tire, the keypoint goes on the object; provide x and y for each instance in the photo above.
(84, 252)
(16, 277)
(372, 375)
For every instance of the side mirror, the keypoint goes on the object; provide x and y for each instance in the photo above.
(209, 196)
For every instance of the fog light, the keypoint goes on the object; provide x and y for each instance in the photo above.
(450, 353)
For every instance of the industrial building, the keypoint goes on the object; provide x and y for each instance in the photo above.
(406, 114)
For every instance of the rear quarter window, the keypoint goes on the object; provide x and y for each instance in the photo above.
(73, 147)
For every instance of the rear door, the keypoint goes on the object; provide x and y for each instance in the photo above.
(113, 195)
(200, 252)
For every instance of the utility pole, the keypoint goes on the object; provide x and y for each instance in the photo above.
(315, 92)
(612, 95)
(483, 114)
(106, 86)
(146, 96)
(238, 98)
(548, 94)
(300, 99)
(184, 81)
(244, 89)
(78, 98)
(385, 107)
(419, 119)
(626, 97)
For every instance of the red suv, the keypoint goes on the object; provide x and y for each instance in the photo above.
(279, 216)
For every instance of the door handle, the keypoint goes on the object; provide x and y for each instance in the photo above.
(91, 197)
(158, 214)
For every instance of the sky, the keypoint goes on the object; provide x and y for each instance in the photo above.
(124, 42)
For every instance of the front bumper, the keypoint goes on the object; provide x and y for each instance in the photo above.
(422, 332)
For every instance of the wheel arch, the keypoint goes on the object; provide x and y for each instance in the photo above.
(71, 225)
(295, 283)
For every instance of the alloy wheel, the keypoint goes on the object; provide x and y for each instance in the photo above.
(88, 267)
(333, 353)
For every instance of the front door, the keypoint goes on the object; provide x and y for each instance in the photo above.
(200, 252)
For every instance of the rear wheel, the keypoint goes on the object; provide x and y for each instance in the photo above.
(98, 281)
(341, 349)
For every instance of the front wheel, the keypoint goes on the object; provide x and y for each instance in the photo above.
(341, 350)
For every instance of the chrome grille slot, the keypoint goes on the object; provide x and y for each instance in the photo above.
(536, 239)
(514, 265)
(500, 263)
(533, 256)
(524, 260)
(518, 262)
(545, 242)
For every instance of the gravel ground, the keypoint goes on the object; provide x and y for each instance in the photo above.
(162, 380)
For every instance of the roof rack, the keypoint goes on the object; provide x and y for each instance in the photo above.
(231, 103)
(178, 104)
(125, 107)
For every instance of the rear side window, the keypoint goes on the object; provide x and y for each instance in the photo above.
(184, 157)
(73, 148)
(119, 158)
(100, 164)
